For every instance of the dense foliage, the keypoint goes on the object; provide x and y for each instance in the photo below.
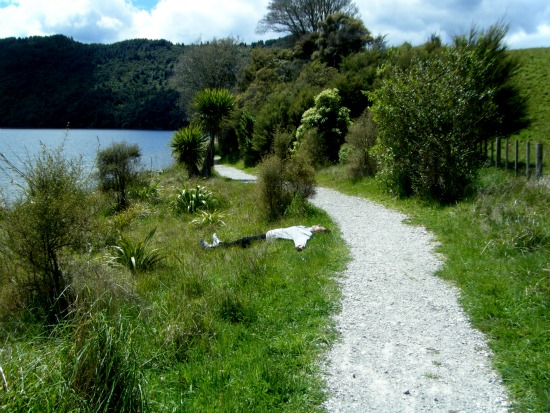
(50, 82)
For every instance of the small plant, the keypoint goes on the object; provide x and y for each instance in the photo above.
(193, 199)
(188, 147)
(206, 218)
(145, 192)
(136, 256)
(117, 169)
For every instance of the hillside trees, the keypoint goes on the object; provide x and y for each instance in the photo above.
(212, 65)
(299, 17)
(48, 82)
(341, 35)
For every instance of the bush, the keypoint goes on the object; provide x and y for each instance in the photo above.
(360, 162)
(433, 114)
(280, 183)
(117, 168)
(324, 127)
(52, 217)
(427, 119)
(188, 147)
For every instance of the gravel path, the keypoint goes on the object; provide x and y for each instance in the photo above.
(405, 344)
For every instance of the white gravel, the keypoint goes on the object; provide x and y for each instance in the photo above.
(405, 344)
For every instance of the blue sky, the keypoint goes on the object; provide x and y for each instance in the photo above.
(190, 21)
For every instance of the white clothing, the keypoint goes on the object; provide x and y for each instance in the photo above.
(299, 234)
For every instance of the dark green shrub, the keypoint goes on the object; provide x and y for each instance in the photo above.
(361, 138)
(427, 119)
(281, 182)
(188, 147)
(117, 168)
(270, 186)
(324, 127)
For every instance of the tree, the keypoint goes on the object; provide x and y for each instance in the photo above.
(496, 69)
(213, 108)
(429, 117)
(299, 17)
(212, 65)
(52, 216)
(188, 146)
(117, 168)
(324, 127)
(341, 35)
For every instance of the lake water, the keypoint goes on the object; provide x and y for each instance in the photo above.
(19, 144)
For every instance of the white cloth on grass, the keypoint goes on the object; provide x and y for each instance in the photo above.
(299, 234)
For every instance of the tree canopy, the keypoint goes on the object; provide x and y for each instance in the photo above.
(299, 17)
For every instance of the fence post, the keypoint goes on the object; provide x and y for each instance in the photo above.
(538, 172)
(528, 159)
(516, 158)
(506, 156)
(498, 152)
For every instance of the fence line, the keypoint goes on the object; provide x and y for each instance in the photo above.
(497, 158)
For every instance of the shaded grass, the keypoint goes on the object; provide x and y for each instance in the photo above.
(497, 251)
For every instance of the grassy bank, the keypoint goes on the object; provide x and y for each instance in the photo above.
(497, 251)
(207, 330)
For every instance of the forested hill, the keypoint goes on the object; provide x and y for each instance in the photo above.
(50, 82)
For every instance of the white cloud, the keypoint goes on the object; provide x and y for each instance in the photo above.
(185, 21)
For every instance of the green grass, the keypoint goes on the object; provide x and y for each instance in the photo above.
(227, 330)
(534, 81)
(497, 251)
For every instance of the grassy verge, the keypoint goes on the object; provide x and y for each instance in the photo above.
(206, 330)
(497, 249)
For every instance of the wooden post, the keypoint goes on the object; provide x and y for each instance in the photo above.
(498, 153)
(528, 159)
(516, 158)
(538, 172)
(506, 156)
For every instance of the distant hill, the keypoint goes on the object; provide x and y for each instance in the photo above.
(534, 80)
(49, 82)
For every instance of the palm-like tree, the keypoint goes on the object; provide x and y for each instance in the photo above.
(188, 146)
(213, 108)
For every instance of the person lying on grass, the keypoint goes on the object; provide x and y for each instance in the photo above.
(300, 234)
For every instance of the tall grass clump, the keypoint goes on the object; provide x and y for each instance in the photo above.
(106, 374)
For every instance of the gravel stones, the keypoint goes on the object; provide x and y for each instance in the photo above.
(405, 344)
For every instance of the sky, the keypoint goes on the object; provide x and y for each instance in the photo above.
(193, 21)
